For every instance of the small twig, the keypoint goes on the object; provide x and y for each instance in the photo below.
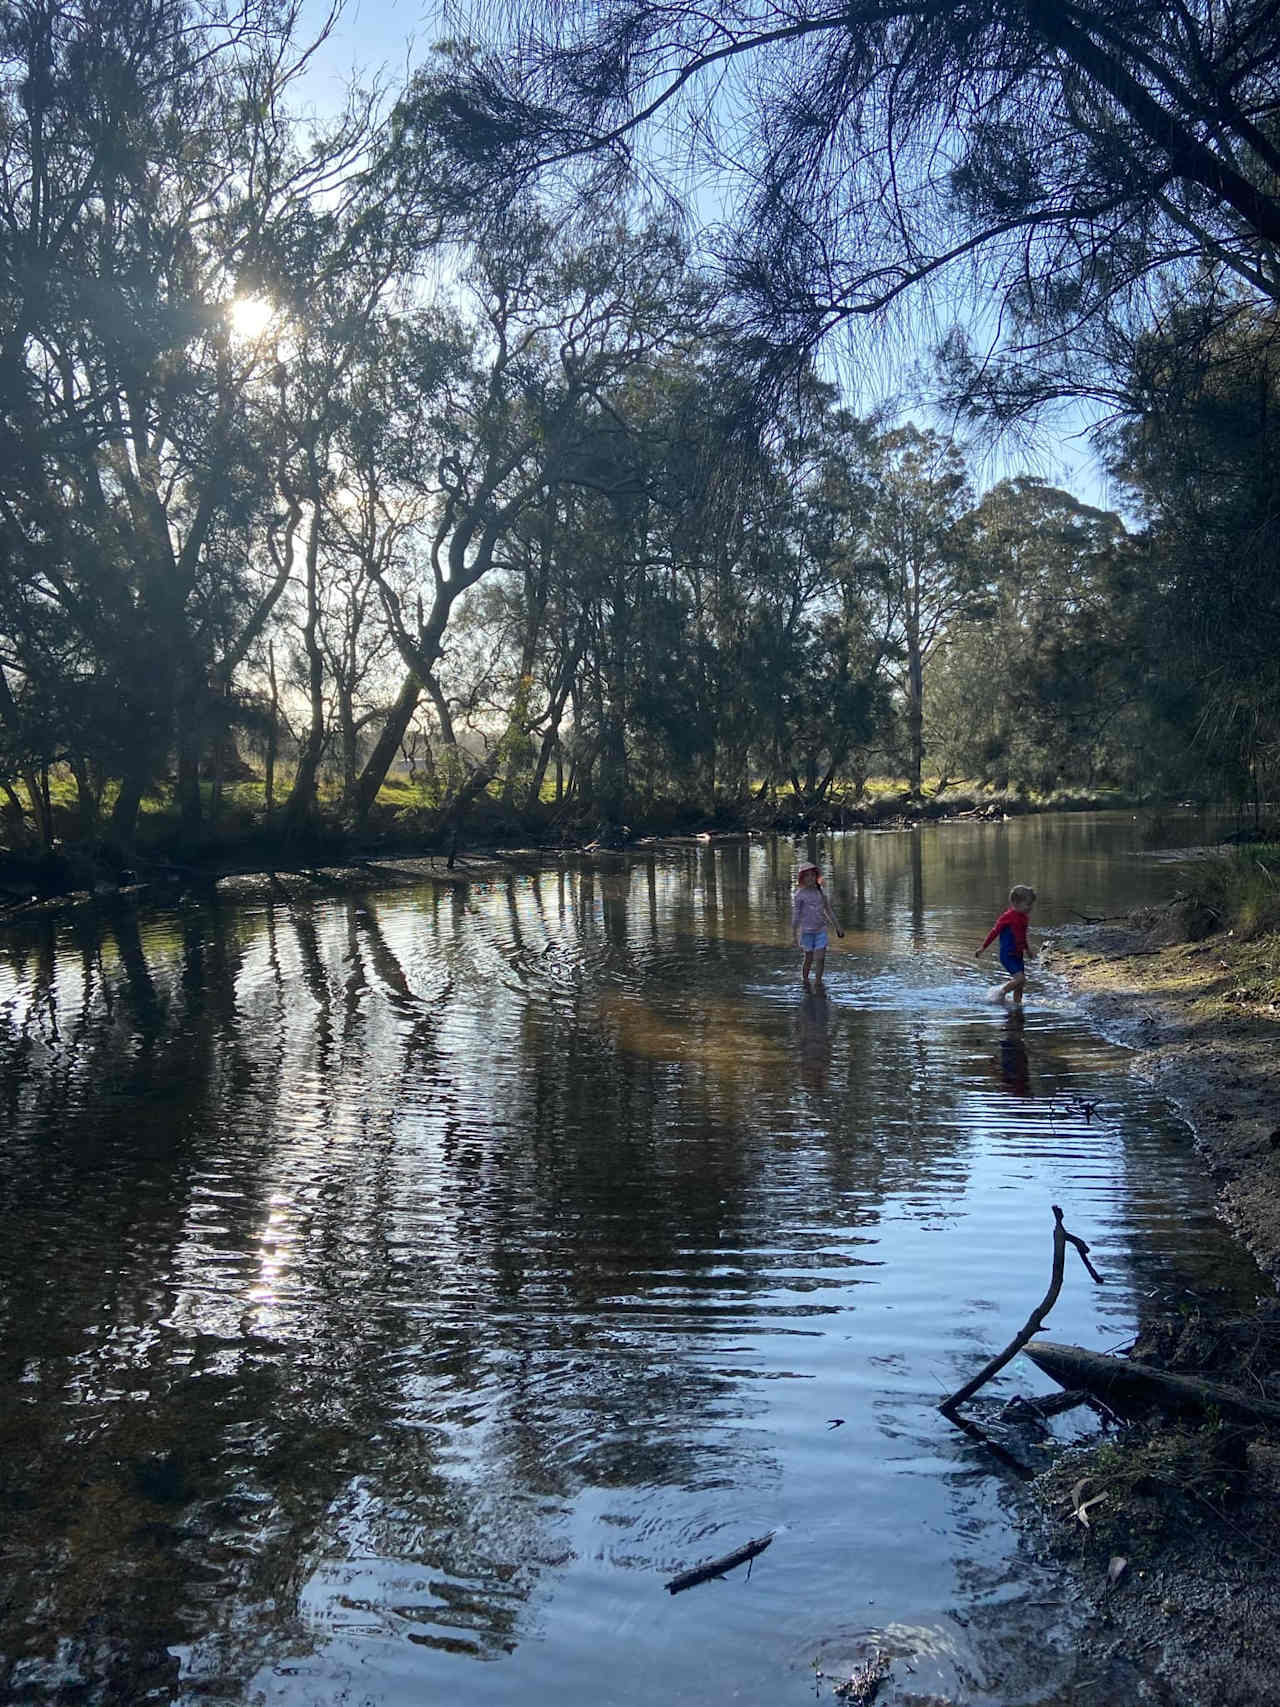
(1034, 1322)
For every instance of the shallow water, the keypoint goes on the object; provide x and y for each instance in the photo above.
(396, 1291)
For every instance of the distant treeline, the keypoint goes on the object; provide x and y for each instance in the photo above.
(305, 471)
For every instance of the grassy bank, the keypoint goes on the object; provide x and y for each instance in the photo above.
(1243, 887)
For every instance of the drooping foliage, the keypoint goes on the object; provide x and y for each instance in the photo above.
(1060, 156)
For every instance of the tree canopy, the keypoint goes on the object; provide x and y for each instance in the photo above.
(1028, 165)
(353, 447)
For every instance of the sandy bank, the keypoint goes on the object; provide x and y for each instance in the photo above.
(1204, 1025)
(1194, 1515)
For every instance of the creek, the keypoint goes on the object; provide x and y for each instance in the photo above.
(396, 1290)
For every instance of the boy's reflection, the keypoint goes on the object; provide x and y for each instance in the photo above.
(815, 1040)
(1012, 1057)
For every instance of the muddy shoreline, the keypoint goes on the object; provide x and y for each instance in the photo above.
(1189, 1013)
(1192, 1614)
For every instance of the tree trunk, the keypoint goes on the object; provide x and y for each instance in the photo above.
(190, 808)
(220, 749)
(475, 785)
(46, 807)
(1127, 1385)
(915, 726)
(385, 748)
(124, 814)
(13, 813)
(39, 817)
(86, 800)
(300, 806)
(551, 744)
(350, 739)
(273, 734)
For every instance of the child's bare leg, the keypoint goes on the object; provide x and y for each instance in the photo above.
(808, 962)
(819, 961)
(1015, 986)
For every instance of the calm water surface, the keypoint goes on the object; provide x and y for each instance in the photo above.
(395, 1291)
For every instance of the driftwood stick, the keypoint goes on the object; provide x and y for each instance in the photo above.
(718, 1567)
(1034, 1322)
(1127, 1385)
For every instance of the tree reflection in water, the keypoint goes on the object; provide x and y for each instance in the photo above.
(372, 1269)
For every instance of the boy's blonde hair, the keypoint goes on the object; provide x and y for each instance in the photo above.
(1021, 895)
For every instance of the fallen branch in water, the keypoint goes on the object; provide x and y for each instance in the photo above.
(1001, 1454)
(1034, 1322)
(1044, 1405)
(1123, 1384)
(718, 1567)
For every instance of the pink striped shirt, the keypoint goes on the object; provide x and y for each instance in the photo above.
(809, 910)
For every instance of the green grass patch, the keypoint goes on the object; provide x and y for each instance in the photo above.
(1244, 887)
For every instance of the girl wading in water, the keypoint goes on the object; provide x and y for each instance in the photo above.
(810, 915)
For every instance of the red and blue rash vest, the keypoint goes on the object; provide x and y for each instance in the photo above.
(1011, 928)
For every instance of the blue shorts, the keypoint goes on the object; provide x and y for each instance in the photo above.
(810, 941)
(1010, 959)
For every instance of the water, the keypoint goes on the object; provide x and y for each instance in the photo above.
(396, 1291)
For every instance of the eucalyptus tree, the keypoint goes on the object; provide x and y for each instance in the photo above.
(1199, 451)
(358, 370)
(647, 704)
(1045, 686)
(800, 665)
(556, 328)
(151, 179)
(924, 576)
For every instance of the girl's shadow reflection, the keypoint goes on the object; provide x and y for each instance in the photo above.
(815, 1040)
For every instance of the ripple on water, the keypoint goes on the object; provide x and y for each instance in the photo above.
(399, 1291)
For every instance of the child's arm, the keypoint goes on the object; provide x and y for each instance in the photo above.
(795, 919)
(827, 908)
(991, 936)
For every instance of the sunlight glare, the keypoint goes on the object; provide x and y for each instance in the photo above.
(250, 315)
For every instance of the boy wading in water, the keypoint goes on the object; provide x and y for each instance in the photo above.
(810, 915)
(1011, 928)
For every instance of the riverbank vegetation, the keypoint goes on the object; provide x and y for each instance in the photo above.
(1243, 889)
(359, 476)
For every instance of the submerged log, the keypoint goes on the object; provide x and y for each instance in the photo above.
(1125, 1385)
(718, 1567)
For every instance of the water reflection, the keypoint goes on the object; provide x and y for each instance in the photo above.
(401, 1282)
(815, 1040)
(1013, 1057)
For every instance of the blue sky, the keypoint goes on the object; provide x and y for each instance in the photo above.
(369, 35)
(380, 36)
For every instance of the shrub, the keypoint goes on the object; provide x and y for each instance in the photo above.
(1244, 886)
